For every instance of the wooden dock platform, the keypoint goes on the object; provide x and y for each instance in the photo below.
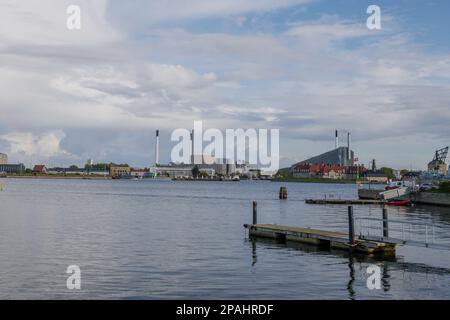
(345, 201)
(329, 239)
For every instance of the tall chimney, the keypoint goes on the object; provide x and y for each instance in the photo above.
(349, 153)
(192, 148)
(337, 139)
(157, 148)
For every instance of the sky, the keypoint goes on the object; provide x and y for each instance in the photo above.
(305, 67)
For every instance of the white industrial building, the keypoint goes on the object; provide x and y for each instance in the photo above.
(3, 158)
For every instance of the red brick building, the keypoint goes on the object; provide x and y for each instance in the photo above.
(328, 171)
(39, 168)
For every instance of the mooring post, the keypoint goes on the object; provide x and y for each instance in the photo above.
(351, 226)
(283, 193)
(255, 213)
(385, 223)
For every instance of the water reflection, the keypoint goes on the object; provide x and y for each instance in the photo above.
(351, 290)
(254, 255)
(424, 212)
(357, 264)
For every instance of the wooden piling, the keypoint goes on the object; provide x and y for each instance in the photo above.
(255, 213)
(283, 193)
(385, 223)
(351, 226)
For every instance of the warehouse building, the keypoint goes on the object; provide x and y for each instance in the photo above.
(12, 168)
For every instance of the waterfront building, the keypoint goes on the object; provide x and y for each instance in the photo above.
(439, 168)
(354, 172)
(139, 173)
(254, 173)
(12, 168)
(181, 171)
(328, 171)
(118, 171)
(221, 169)
(412, 176)
(3, 158)
(66, 171)
(242, 169)
(310, 170)
(40, 169)
(173, 171)
(376, 176)
(397, 174)
(96, 172)
(78, 171)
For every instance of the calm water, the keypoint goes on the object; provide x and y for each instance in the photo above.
(160, 240)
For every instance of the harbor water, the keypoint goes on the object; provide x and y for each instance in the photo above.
(185, 240)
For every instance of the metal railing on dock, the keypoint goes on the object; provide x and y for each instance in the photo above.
(401, 232)
(386, 237)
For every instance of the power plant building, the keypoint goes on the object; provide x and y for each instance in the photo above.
(3, 158)
(336, 163)
(341, 156)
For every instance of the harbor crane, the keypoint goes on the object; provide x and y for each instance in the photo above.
(438, 161)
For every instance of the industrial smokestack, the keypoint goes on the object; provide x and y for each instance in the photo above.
(192, 147)
(337, 139)
(157, 148)
(348, 146)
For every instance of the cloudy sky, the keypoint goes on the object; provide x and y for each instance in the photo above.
(303, 66)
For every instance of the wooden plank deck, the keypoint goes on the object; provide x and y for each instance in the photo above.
(313, 232)
(345, 201)
(326, 238)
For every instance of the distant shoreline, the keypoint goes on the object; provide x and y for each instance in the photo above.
(312, 180)
(294, 180)
(58, 177)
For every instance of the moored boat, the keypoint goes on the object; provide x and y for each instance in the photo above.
(399, 203)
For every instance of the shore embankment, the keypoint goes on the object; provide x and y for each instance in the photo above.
(51, 177)
(314, 180)
(432, 198)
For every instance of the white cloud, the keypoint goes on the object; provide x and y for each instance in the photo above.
(330, 31)
(177, 76)
(25, 145)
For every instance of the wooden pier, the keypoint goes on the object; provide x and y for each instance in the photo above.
(345, 201)
(328, 239)
(322, 238)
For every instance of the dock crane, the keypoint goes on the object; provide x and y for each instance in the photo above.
(438, 162)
